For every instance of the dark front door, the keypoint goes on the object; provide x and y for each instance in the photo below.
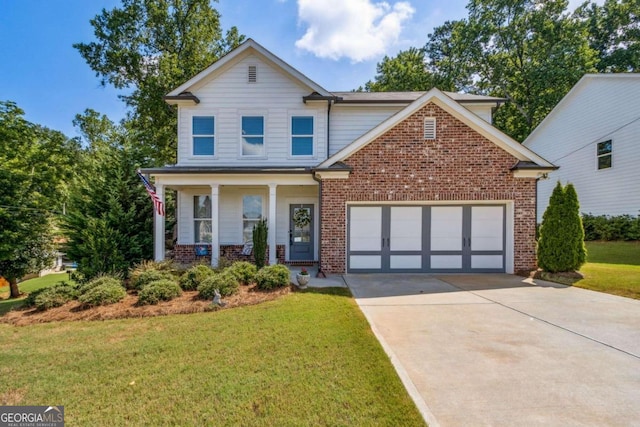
(300, 232)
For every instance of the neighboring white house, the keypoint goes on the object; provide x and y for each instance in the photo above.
(593, 135)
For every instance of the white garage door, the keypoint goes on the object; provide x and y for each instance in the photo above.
(426, 238)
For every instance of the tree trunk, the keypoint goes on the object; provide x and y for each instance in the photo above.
(13, 286)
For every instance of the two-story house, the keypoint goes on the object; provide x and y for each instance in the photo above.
(357, 182)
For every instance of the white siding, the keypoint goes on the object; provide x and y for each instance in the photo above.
(598, 109)
(483, 111)
(228, 96)
(350, 122)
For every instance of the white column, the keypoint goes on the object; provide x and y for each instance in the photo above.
(273, 253)
(158, 248)
(215, 215)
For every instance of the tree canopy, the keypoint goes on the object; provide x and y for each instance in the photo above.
(149, 48)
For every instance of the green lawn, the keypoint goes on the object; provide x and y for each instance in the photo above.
(612, 267)
(308, 358)
(26, 287)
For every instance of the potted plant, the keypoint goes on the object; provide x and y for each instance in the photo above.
(303, 278)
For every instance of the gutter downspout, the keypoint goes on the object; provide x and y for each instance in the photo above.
(320, 272)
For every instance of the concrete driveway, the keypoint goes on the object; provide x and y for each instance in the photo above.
(496, 350)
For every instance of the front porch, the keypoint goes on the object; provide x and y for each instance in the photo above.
(216, 210)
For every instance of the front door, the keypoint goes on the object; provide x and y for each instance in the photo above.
(301, 232)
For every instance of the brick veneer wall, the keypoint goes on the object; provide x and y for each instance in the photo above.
(402, 166)
(186, 254)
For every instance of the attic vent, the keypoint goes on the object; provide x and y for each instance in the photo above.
(429, 128)
(252, 74)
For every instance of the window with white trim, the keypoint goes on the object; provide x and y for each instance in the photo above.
(429, 128)
(253, 136)
(203, 135)
(251, 215)
(604, 154)
(202, 219)
(302, 136)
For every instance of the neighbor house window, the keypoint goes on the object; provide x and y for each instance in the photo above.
(202, 219)
(203, 131)
(251, 214)
(604, 154)
(302, 136)
(252, 136)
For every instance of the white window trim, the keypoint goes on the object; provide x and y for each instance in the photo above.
(314, 148)
(265, 121)
(189, 117)
(598, 156)
(194, 219)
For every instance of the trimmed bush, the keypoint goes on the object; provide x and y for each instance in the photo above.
(159, 290)
(561, 244)
(149, 276)
(168, 266)
(260, 234)
(54, 296)
(273, 276)
(224, 282)
(99, 281)
(194, 276)
(109, 292)
(243, 271)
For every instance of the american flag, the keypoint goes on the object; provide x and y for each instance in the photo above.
(157, 203)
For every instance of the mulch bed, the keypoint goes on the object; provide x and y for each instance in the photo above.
(188, 302)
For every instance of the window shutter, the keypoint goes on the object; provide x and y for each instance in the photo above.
(253, 74)
(430, 128)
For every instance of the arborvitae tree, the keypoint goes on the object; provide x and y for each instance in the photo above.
(561, 243)
(260, 232)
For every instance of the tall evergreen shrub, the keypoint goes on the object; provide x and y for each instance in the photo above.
(561, 243)
(260, 232)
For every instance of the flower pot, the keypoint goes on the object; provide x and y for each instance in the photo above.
(303, 280)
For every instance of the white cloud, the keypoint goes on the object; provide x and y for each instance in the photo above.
(355, 29)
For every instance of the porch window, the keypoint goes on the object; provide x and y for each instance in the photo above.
(253, 136)
(251, 214)
(604, 152)
(202, 219)
(302, 136)
(203, 130)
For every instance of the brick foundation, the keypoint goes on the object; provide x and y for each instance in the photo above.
(400, 166)
(186, 254)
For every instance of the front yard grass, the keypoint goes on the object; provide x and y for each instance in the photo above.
(27, 287)
(308, 358)
(612, 267)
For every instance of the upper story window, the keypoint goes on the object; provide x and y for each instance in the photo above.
(251, 215)
(604, 154)
(302, 136)
(202, 219)
(253, 136)
(203, 132)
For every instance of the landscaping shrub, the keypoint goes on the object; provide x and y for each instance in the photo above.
(149, 276)
(99, 281)
(224, 282)
(108, 292)
(54, 296)
(194, 276)
(260, 234)
(159, 290)
(243, 271)
(168, 266)
(604, 227)
(561, 244)
(273, 276)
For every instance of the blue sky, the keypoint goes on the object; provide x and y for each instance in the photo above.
(336, 43)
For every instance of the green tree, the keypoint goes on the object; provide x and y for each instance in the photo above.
(260, 233)
(149, 48)
(561, 243)
(405, 72)
(109, 219)
(36, 164)
(614, 33)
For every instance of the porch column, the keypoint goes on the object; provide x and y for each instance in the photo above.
(159, 227)
(215, 237)
(273, 252)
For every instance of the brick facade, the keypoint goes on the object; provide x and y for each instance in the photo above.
(400, 165)
(186, 254)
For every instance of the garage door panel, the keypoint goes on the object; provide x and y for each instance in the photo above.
(446, 228)
(365, 228)
(487, 228)
(487, 262)
(365, 262)
(449, 262)
(405, 228)
(398, 262)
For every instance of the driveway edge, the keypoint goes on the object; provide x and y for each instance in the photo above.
(402, 373)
